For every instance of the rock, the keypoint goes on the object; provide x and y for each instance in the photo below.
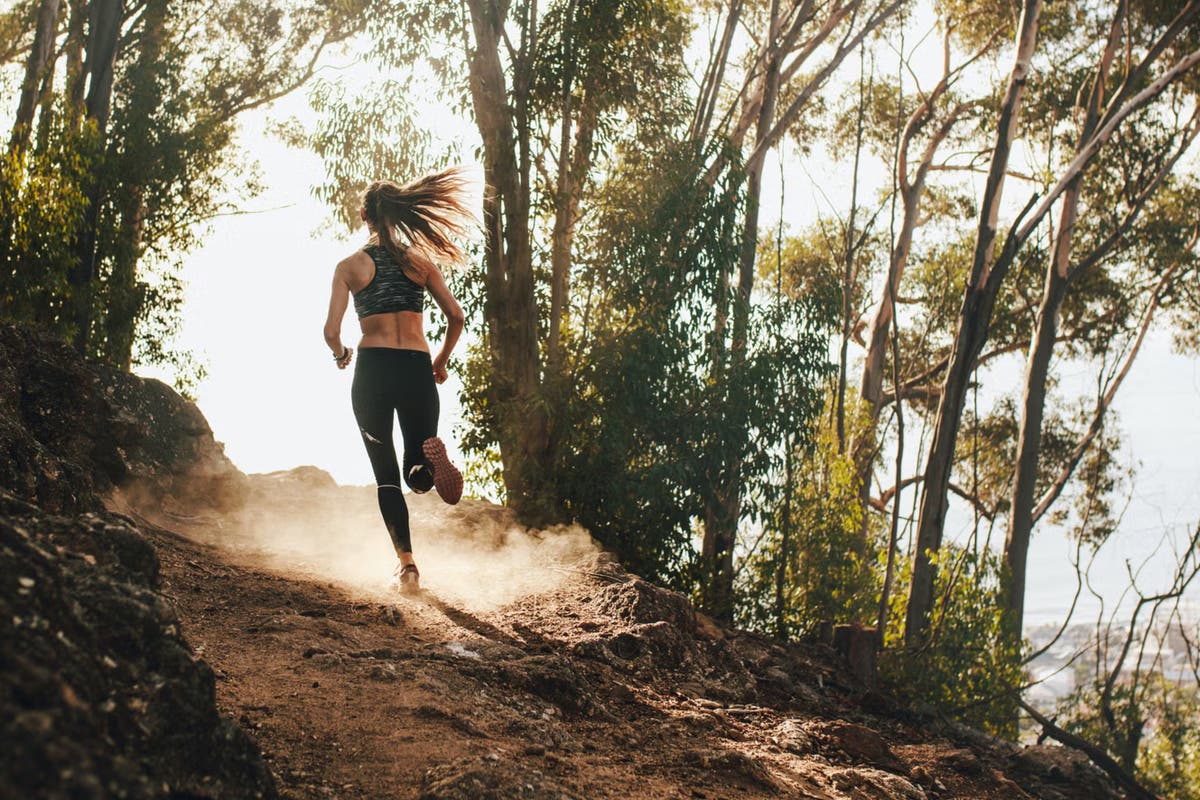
(71, 432)
(638, 601)
(733, 763)
(874, 784)
(793, 736)
(490, 778)
(99, 695)
(860, 743)
(1061, 765)
(552, 678)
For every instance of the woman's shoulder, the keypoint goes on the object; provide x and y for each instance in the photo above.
(356, 260)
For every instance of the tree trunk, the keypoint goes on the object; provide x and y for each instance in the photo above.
(1041, 351)
(574, 164)
(123, 297)
(1016, 545)
(724, 507)
(73, 50)
(35, 70)
(974, 318)
(510, 308)
(104, 29)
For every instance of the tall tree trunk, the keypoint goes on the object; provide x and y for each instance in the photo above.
(974, 318)
(73, 50)
(724, 506)
(123, 296)
(574, 165)
(35, 70)
(104, 29)
(510, 308)
(1041, 350)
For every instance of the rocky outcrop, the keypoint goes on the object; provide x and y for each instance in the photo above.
(70, 432)
(100, 696)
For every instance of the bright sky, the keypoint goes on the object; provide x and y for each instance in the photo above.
(256, 301)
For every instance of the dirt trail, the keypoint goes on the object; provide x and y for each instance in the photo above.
(529, 667)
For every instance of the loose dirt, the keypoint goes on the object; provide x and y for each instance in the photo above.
(529, 666)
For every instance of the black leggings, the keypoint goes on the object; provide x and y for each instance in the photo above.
(386, 382)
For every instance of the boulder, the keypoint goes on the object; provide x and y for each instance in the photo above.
(100, 697)
(71, 432)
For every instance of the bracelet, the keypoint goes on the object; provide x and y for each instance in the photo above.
(345, 352)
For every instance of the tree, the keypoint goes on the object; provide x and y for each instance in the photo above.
(1137, 184)
(990, 268)
(145, 123)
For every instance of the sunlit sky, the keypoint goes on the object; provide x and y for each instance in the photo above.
(256, 298)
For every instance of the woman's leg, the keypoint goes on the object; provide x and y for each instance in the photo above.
(372, 396)
(418, 410)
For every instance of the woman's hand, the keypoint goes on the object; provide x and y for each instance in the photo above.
(439, 369)
(346, 357)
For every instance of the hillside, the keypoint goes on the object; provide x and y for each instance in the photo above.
(173, 628)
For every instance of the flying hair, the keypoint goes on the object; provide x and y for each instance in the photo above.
(429, 212)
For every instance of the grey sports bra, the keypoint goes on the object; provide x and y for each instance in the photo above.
(390, 290)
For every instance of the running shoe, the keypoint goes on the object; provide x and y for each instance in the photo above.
(446, 477)
(406, 579)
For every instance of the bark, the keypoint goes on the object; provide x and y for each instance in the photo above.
(73, 50)
(974, 317)
(1016, 545)
(912, 188)
(573, 166)
(787, 117)
(104, 29)
(510, 309)
(710, 88)
(35, 71)
(123, 298)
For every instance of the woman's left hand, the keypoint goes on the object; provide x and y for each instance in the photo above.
(347, 355)
(439, 370)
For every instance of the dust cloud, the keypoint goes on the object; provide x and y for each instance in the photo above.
(474, 554)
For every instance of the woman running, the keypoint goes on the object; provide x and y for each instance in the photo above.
(395, 373)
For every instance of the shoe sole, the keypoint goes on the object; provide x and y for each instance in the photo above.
(446, 477)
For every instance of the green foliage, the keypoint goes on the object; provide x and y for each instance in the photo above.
(810, 564)
(1169, 760)
(144, 187)
(969, 669)
(646, 413)
(41, 199)
(641, 412)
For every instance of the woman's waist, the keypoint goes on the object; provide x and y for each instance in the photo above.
(377, 353)
(394, 333)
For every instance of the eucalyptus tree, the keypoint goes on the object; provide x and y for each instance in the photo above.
(1146, 80)
(797, 49)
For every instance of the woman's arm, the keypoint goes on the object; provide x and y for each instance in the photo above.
(339, 299)
(454, 313)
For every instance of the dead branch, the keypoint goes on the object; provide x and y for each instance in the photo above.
(1097, 755)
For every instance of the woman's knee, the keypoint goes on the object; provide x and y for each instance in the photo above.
(417, 473)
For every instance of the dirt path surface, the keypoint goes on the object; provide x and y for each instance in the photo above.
(529, 667)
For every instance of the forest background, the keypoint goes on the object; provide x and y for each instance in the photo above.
(816, 311)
